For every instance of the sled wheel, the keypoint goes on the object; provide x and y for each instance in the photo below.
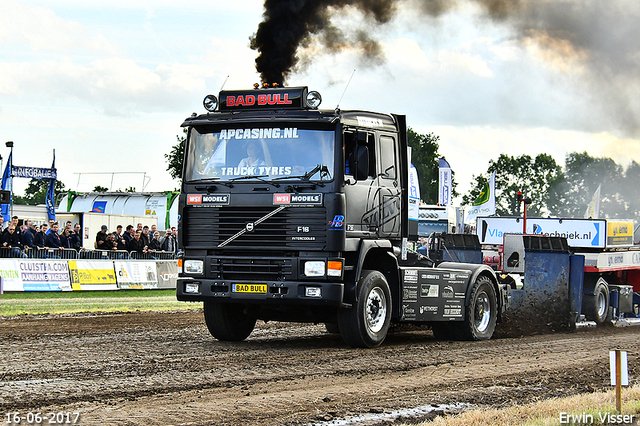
(596, 306)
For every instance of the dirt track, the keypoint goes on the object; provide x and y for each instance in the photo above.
(164, 368)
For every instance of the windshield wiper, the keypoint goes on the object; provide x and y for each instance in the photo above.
(258, 177)
(215, 180)
(324, 172)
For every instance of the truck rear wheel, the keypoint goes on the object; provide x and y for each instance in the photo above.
(596, 306)
(366, 323)
(228, 321)
(481, 312)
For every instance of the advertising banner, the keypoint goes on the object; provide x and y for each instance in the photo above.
(445, 188)
(10, 276)
(619, 233)
(92, 275)
(34, 172)
(133, 274)
(586, 233)
(34, 275)
(167, 273)
(44, 275)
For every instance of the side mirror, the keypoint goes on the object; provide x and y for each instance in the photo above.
(362, 163)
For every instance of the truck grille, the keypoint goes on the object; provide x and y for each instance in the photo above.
(292, 228)
(259, 269)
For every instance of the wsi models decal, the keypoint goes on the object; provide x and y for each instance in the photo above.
(298, 199)
(218, 199)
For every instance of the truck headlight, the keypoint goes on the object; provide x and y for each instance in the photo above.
(193, 266)
(314, 268)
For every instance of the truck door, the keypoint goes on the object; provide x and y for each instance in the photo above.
(388, 180)
(362, 193)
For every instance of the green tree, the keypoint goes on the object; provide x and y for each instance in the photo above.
(533, 177)
(582, 176)
(99, 188)
(175, 158)
(36, 192)
(631, 190)
(424, 155)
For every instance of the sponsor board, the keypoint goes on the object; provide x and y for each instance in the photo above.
(167, 273)
(92, 275)
(34, 275)
(586, 233)
(619, 233)
(133, 274)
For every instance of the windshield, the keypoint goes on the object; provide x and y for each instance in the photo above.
(263, 153)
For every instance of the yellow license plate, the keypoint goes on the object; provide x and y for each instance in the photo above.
(249, 288)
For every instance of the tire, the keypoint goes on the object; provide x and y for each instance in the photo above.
(228, 321)
(481, 314)
(366, 323)
(596, 306)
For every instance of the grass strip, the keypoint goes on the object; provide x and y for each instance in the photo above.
(39, 303)
(598, 408)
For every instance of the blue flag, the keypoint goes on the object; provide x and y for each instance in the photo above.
(51, 208)
(6, 183)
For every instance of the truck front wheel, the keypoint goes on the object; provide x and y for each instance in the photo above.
(228, 321)
(481, 312)
(366, 323)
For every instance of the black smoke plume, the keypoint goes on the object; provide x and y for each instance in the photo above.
(289, 24)
(597, 36)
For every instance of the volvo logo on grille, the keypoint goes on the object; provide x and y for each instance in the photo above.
(249, 227)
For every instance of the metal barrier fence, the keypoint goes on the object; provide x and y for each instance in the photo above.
(66, 253)
(103, 254)
(155, 255)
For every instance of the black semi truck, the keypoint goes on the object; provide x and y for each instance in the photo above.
(293, 213)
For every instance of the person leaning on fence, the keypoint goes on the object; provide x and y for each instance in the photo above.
(28, 234)
(111, 243)
(39, 239)
(65, 238)
(119, 238)
(18, 230)
(11, 242)
(128, 235)
(53, 238)
(145, 235)
(169, 243)
(101, 237)
(155, 244)
(136, 244)
(76, 239)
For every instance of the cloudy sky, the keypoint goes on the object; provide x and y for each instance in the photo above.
(107, 85)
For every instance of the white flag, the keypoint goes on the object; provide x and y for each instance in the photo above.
(485, 204)
(593, 209)
(444, 194)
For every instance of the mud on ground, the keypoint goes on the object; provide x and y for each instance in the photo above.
(164, 369)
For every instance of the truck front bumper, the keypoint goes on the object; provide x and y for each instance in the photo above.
(301, 292)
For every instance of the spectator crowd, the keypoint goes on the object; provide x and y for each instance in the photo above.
(29, 240)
